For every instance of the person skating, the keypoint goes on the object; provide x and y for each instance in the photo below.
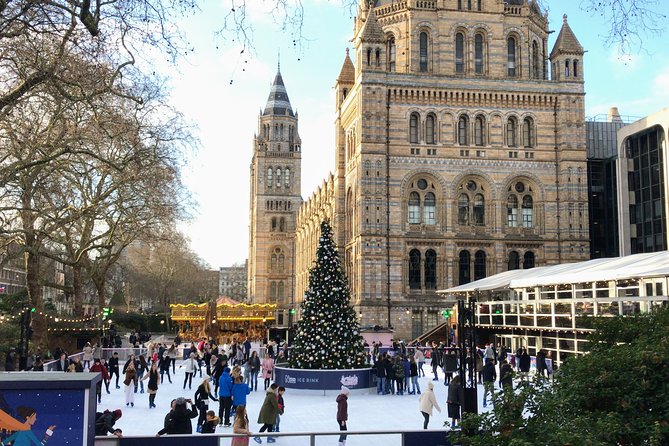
(104, 422)
(427, 402)
(225, 397)
(342, 413)
(142, 368)
(489, 377)
(241, 426)
(97, 367)
(152, 386)
(254, 364)
(191, 366)
(178, 419)
(268, 411)
(267, 369)
(282, 406)
(113, 368)
(87, 355)
(165, 367)
(239, 391)
(210, 423)
(130, 382)
(202, 396)
(413, 375)
(454, 401)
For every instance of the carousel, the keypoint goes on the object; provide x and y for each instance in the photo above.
(222, 319)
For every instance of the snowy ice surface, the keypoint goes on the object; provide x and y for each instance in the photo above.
(305, 411)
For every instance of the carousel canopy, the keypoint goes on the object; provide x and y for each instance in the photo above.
(227, 309)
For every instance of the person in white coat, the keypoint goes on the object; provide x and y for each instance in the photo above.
(427, 402)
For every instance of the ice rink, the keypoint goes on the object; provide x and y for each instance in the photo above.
(305, 411)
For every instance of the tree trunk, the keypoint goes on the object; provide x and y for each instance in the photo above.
(102, 292)
(31, 258)
(78, 290)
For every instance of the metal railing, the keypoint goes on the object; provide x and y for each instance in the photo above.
(436, 437)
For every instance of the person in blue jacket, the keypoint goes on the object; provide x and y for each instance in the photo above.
(225, 397)
(28, 437)
(239, 391)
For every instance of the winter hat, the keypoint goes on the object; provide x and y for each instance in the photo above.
(117, 414)
(181, 401)
(345, 390)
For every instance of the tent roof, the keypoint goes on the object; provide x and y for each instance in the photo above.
(638, 265)
(226, 300)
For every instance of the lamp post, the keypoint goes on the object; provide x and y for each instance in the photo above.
(467, 344)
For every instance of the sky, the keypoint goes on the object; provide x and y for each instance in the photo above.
(221, 89)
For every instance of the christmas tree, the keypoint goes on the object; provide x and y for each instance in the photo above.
(328, 335)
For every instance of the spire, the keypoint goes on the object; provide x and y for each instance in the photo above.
(347, 73)
(566, 41)
(278, 102)
(371, 30)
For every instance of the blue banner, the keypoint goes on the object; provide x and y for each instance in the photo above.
(426, 438)
(323, 379)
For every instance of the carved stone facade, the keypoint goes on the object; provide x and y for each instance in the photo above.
(457, 155)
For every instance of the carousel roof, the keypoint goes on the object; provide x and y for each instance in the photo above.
(225, 301)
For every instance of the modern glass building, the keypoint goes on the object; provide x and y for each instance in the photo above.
(643, 197)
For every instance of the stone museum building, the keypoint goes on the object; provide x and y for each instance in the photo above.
(460, 153)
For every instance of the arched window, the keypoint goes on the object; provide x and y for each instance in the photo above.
(429, 209)
(459, 53)
(479, 265)
(528, 260)
(528, 208)
(528, 132)
(286, 179)
(414, 208)
(279, 293)
(273, 224)
(469, 5)
(478, 54)
(566, 68)
(575, 68)
(273, 291)
(269, 177)
(514, 261)
(430, 270)
(414, 269)
(378, 57)
(463, 126)
(369, 57)
(512, 211)
(511, 56)
(479, 131)
(281, 264)
(464, 275)
(282, 224)
(463, 209)
(423, 52)
(278, 177)
(535, 60)
(459, 4)
(392, 54)
(413, 128)
(479, 5)
(273, 263)
(429, 129)
(479, 210)
(511, 132)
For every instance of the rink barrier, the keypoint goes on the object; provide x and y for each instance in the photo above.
(406, 438)
(306, 379)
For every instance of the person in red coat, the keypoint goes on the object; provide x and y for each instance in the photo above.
(97, 367)
(342, 413)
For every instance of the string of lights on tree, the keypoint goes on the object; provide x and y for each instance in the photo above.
(328, 335)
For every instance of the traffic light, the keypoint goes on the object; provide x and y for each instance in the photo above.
(33, 309)
(446, 314)
(292, 311)
(105, 312)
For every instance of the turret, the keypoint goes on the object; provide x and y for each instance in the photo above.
(567, 56)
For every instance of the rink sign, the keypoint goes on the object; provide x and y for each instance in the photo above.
(323, 379)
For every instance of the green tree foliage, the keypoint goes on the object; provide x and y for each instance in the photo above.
(328, 335)
(617, 394)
